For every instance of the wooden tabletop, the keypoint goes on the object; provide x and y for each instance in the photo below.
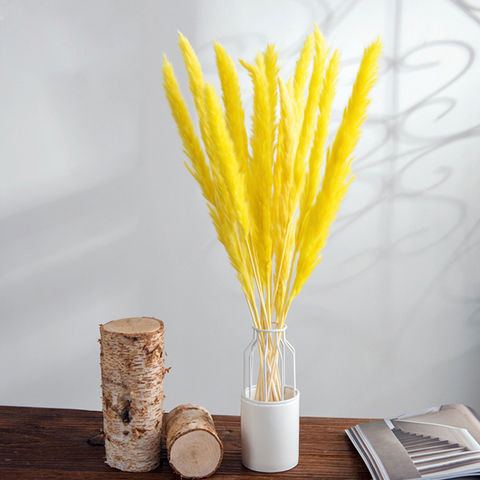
(38, 443)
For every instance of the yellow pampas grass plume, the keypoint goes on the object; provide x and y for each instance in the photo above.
(337, 172)
(272, 193)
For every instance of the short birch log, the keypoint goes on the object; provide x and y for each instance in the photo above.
(131, 360)
(193, 446)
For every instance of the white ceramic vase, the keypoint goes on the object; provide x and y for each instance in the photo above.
(270, 428)
(270, 433)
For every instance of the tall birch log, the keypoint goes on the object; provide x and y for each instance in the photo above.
(193, 446)
(131, 360)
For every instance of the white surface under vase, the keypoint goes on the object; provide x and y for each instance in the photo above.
(270, 423)
(270, 432)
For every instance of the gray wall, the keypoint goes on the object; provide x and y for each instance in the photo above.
(101, 220)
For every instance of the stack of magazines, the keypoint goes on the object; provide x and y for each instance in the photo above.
(438, 443)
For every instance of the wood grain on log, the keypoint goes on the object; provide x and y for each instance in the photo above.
(193, 446)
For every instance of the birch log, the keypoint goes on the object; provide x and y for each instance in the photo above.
(131, 360)
(193, 446)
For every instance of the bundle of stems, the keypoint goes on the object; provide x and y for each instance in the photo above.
(272, 196)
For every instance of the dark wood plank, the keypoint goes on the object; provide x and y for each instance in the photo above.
(38, 443)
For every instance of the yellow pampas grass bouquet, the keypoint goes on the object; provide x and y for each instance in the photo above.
(272, 194)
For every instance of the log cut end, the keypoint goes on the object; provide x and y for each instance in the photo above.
(194, 448)
(133, 325)
(196, 454)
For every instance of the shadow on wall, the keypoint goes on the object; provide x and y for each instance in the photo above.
(403, 251)
(402, 255)
(62, 264)
(79, 130)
